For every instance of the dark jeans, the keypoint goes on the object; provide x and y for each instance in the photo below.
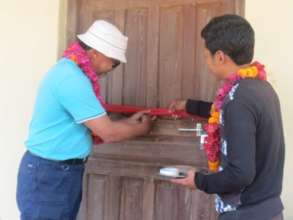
(48, 190)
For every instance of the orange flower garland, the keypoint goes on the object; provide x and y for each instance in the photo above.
(212, 141)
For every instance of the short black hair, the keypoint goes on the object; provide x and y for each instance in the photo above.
(83, 45)
(231, 34)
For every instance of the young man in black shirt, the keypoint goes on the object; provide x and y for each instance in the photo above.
(248, 182)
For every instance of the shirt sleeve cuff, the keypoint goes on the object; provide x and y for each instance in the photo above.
(199, 180)
(191, 106)
(90, 118)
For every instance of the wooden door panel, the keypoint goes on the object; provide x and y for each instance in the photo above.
(165, 53)
(112, 198)
(96, 189)
(172, 202)
(170, 53)
(131, 207)
(188, 76)
(135, 70)
(119, 189)
(206, 83)
(138, 195)
(185, 205)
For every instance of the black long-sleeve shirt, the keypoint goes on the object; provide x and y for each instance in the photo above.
(252, 148)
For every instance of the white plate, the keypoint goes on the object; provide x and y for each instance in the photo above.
(172, 172)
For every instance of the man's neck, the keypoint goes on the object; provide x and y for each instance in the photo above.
(233, 68)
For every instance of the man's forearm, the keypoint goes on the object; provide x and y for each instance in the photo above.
(227, 181)
(123, 130)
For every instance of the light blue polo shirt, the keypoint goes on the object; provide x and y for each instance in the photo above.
(64, 101)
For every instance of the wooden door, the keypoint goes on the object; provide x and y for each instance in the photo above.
(165, 52)
(165, 61)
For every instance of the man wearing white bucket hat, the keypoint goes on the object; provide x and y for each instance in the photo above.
(68, 113)
(107, 39)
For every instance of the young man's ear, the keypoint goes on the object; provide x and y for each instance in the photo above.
(220, 57)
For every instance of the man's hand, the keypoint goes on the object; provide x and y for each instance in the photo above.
(177, 105)
(137, 117)
(188, 181)
(113, 131)
(143, 121)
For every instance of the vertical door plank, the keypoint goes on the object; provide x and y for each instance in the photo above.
(171, 202)
(148, 199)
(152, 99)
(96, 197)
(131, 199)
(135, 70)
(206, 82)
(189, 35)
(200, 208)
(112, 200)
(170, 53)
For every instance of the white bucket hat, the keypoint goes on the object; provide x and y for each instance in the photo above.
(107, 39)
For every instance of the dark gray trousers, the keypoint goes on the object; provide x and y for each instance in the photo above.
(235, 216)
(265, 210)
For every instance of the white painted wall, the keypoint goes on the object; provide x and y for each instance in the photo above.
(29, 46)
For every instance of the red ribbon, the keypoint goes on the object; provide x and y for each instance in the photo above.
(124, 109)
(152, 112)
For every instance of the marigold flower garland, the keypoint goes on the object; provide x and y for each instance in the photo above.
(213, 139)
